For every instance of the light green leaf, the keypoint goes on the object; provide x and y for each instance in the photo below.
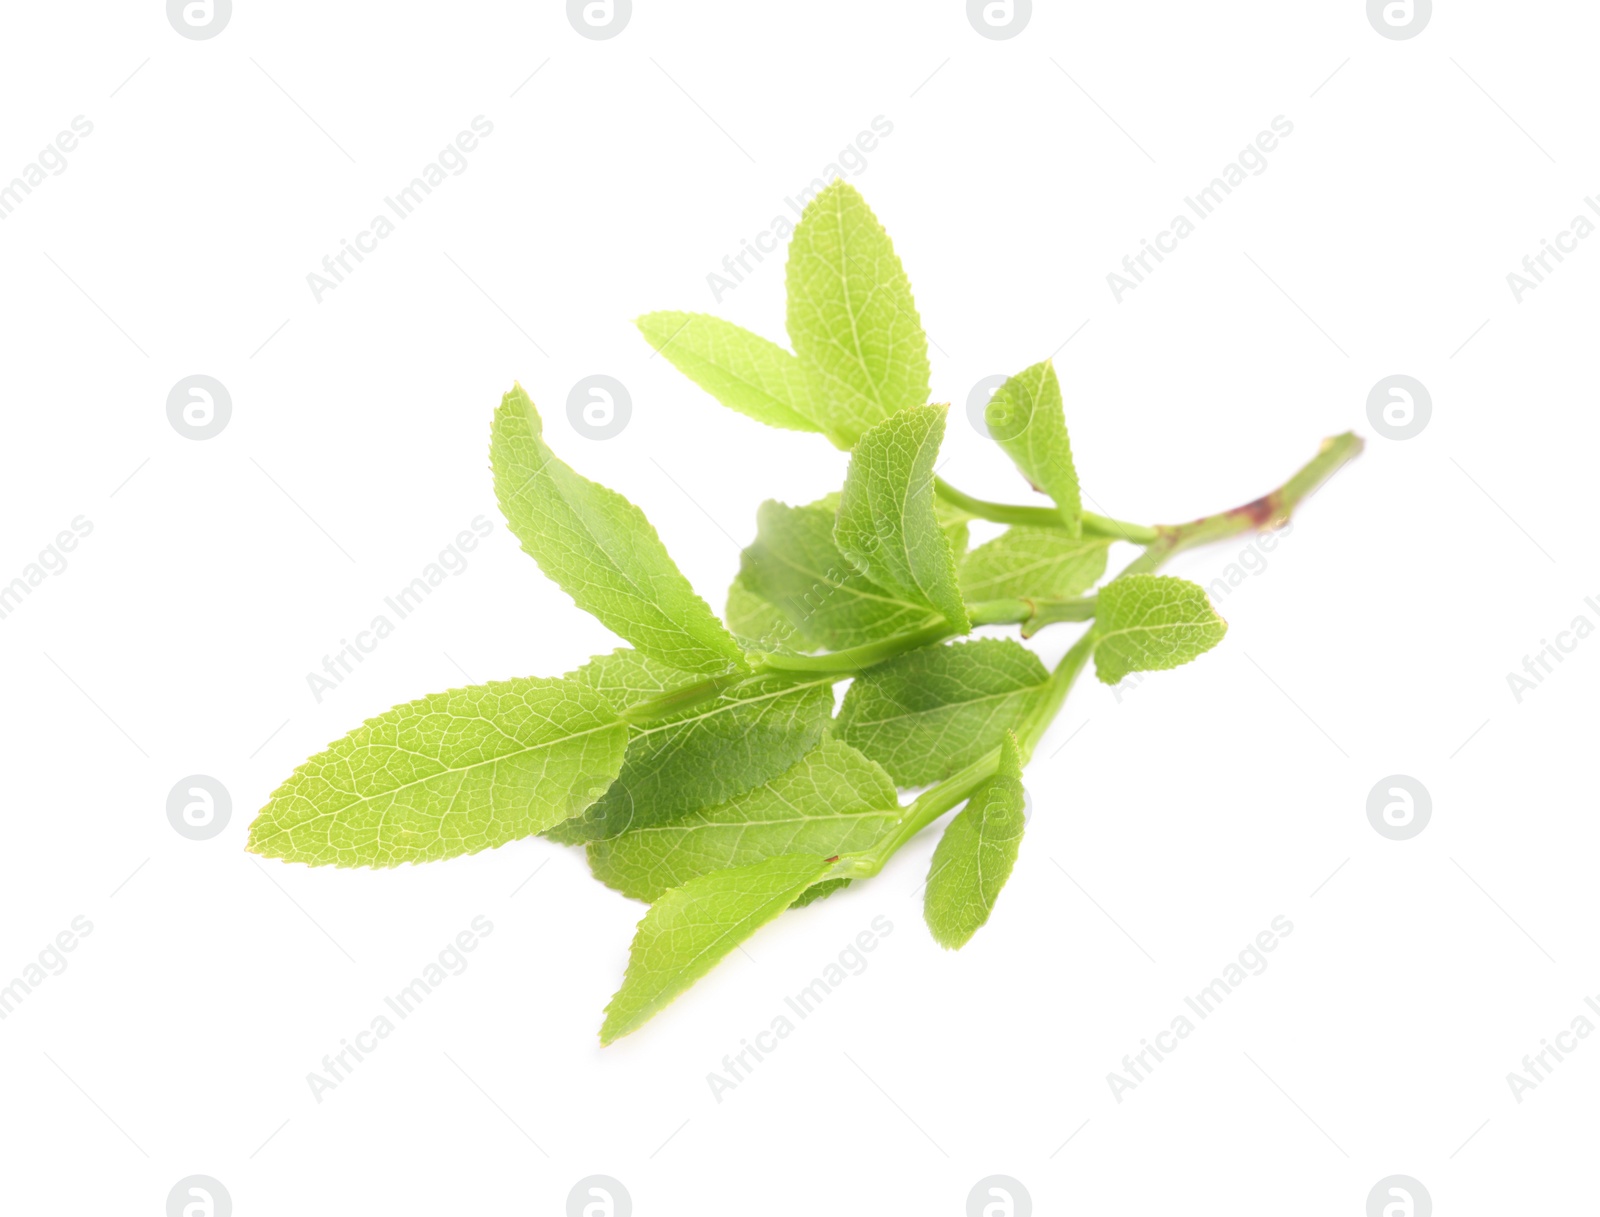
(975, 856)
(927, 713)
(819, 891)
(704, 754)
(692, 927)
(794, 565)
(1025, 417)
(756, 619)
(1146, 623)
(741, 370)
(600, 549)
(888, 524)
(1038, 562)
(832, 801)
(851, 317)
(446, 775)
(955, 524)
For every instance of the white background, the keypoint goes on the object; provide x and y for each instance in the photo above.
(1176, 824)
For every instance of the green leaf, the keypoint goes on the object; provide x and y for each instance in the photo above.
(1146, 623)
(600, 549)
(794, 565)
(705, 753)
(819, 891)
(1034, 562)
(954, 522)
(756, 619)
(975, 856)
(1025, 417)
(851, 317)
(691, 927)
(832, 801)
(888, 524)
(929, 712)
(743, 371)
(446, 775)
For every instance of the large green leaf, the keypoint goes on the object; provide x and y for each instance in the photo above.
(851, 317)
(888, 524)
(692, 927)
(954, 522)
(600, 549)
(449, 774)
(1025, 417)
(703, 754)
(975, 856)
(927, 713)
(1027, 561)
(743, 371)
(1145, 623)
(754, 618)
(832, 801)
(794, 565)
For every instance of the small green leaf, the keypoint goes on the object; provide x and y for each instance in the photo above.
(927, 713)
(600, 549)
(975, 856)
(795, 565)
(692, 927)
(852, 319)
(1026, 418)
(702, 755)
(819, 891)
(888, 524)
(743, 371)
(446, 775)
(832, 801)
(1033, 562)
(1146, 623)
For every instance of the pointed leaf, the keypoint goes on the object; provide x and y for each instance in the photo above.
(831, 801)
(743, 371)
(449, 774)
(794, 565)
(888, 524)
(1146, 623)
(975, 856)
(927, 713)
(600, 549)
(704, 754)
(692, 927)
(852, 319)
(1038, 562)
(1026, 418)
